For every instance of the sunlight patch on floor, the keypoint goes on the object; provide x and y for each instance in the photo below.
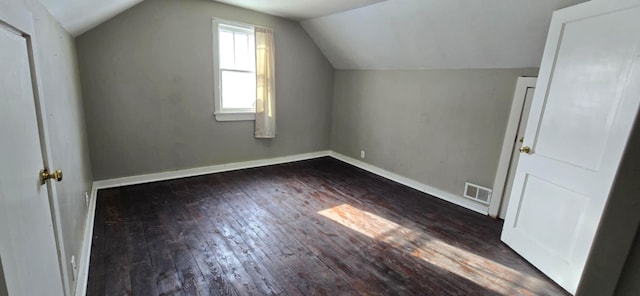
(480, 270)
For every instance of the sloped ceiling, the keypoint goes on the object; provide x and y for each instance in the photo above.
(437, 34)
(300, 9)
(79, 16)
(391, 34)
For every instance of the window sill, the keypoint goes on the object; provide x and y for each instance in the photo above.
(234, 116)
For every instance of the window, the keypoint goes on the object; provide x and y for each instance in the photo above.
(235, 71)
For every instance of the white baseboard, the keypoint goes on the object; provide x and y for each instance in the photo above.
(102, 184)
(85, 257)
(450, 197)
(83, 273)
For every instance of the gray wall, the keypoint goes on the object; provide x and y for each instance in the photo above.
(147, 84)
(58, 75)
(629, 283)
(439, 127)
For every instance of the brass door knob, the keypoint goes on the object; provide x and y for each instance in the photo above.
(46, 175)
(525, 149)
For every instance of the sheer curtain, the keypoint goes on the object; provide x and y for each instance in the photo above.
(265, 84)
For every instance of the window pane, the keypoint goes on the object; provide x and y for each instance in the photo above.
(244, 57)
(238, 90)
(226, 49)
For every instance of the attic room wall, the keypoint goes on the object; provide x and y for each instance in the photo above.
(629, 282)
(60, 84)
(147, 83)
(438, 127)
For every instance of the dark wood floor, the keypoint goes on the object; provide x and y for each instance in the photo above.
(318, 227)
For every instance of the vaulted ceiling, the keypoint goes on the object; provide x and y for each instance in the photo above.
(437, 34)
(300, 9)
(387, 34)
(78, 16)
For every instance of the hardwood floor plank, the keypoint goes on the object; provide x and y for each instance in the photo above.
(308, 272)
(423, 236)
(282, 255)
(366, 244)
(143, 281)
(441, 226)
(167, 280)
(323, 279)
(190, 254)
(328, 244)
(117, 265)
(317, 227)
(232, 269)
(253, 260)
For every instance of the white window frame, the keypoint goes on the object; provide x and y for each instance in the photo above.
(219, 114)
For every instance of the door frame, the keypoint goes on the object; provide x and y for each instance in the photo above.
(502, 173)
(19, 18)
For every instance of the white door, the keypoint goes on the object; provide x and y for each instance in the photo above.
(586, 100)
(515, 153)
(27, 244)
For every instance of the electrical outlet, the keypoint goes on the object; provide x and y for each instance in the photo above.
(86, 199)
(74, 267)
(362, 154)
